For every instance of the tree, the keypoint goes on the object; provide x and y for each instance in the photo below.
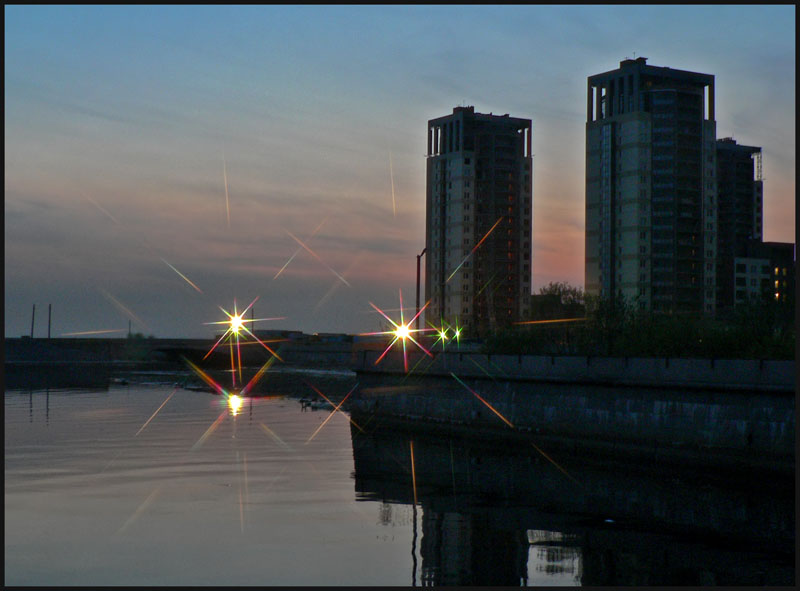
(567, 294)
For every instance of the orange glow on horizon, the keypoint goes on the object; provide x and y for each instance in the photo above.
(551, 321)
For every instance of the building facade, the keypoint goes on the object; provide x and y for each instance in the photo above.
(479, 212)
(763, 271)
(651, 198)
(739, 217)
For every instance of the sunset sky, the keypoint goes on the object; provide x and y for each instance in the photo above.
(122, 125)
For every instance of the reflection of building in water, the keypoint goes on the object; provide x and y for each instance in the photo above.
(496, 515)
(464, 549)
(385, 515)
(553, 559)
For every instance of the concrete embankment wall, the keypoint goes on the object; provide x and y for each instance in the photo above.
(725, 374)
(749, 425)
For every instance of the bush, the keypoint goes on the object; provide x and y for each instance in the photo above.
(759, 329)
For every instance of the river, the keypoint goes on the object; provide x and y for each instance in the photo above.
(148, 483)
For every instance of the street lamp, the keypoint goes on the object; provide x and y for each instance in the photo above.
(419, 256)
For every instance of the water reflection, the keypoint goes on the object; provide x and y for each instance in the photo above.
(254, 504)
(43, 376)
(554, 556)
(494, 515)
(148, 485)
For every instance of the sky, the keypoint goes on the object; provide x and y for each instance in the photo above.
(162, 163)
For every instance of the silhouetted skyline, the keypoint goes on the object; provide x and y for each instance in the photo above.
(164, 161)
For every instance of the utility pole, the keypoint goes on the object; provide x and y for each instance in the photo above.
(49, 318)
(33, 317)
(419, 256)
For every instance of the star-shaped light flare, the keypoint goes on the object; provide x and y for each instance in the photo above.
(401, 332)
(236, 327)
(446, 332)
(476, 247)
(336, 408)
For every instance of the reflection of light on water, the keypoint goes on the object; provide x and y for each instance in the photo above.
(234, 403)
(553, 560)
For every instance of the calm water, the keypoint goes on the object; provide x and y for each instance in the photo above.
(97, 495)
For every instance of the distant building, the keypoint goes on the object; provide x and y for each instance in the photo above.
(479, 182)
(740, 196)
(331, 337)
(651, 209)
(279, 334)
(763, 270)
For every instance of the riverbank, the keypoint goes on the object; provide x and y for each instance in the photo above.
(656, 372)
(171, 352)
(720, 415)
(646, 372)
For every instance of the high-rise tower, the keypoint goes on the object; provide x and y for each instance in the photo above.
(651, 207)
(739, 216)
(479, 208)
